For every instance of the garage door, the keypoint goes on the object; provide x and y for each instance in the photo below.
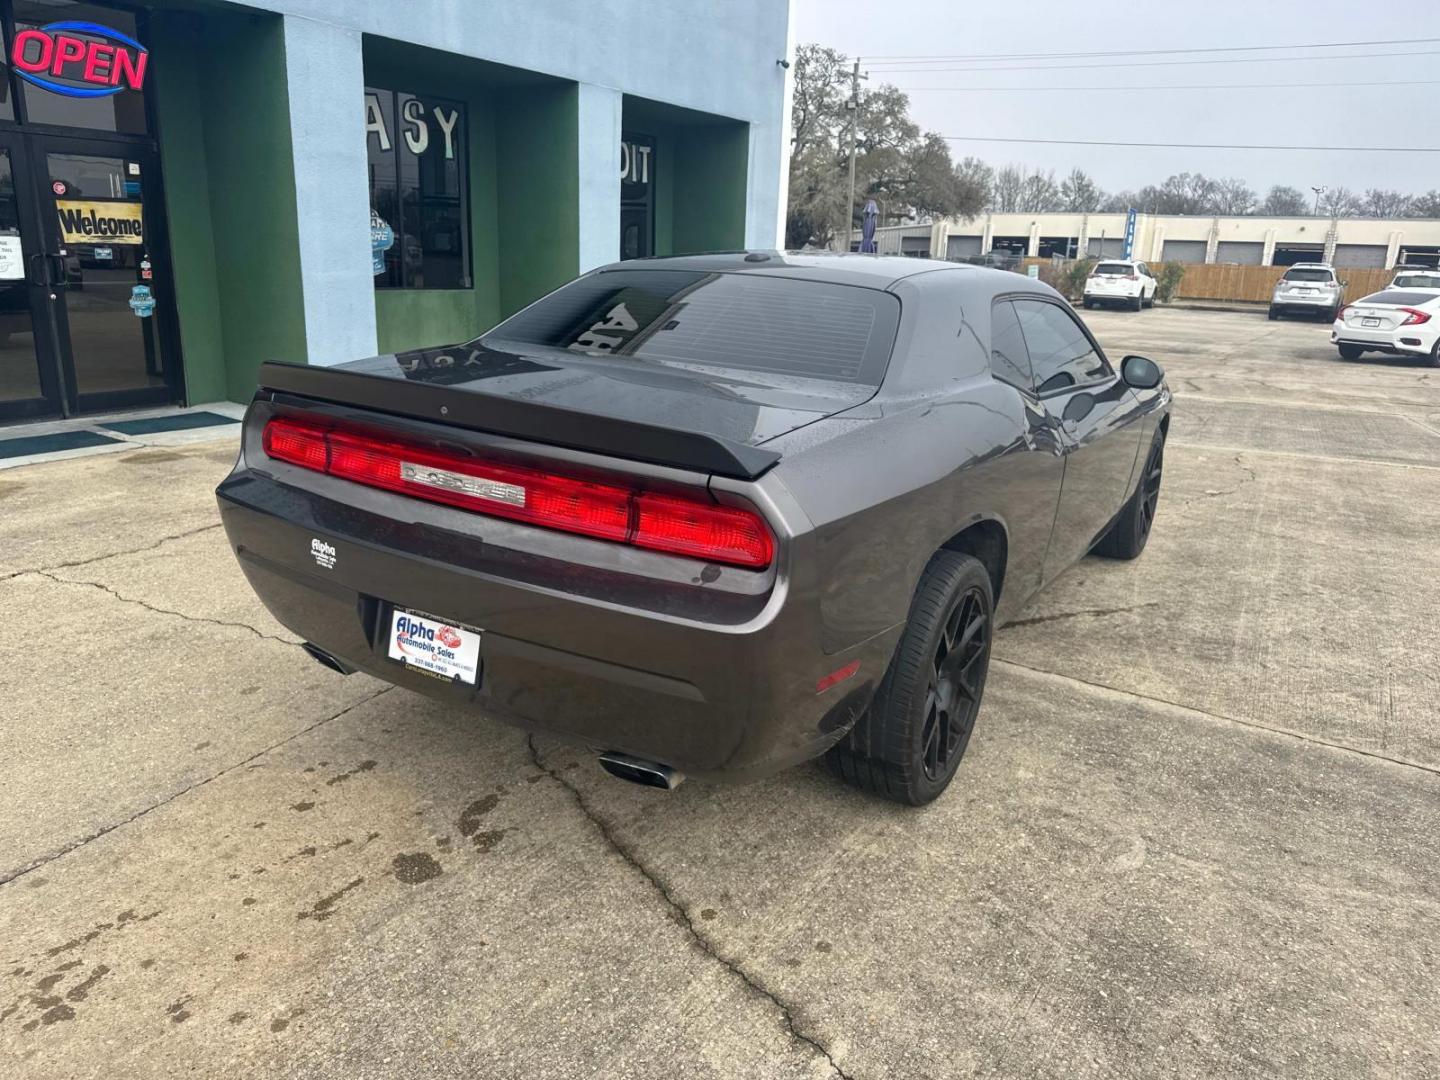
(916, 246)
(1107, 247)
(1244, 252)
(1185, 251)
(1360, 255)
(962, 247)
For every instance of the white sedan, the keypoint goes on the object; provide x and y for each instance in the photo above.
(1402, 322)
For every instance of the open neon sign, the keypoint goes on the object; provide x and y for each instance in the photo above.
(101, 62)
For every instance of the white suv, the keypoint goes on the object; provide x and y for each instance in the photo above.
(1120, 281)
(1308, 289)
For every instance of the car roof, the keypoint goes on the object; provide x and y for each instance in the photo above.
(841, 268)
(1310, 266)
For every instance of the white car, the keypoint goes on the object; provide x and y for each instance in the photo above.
(1402, 322)
(1120, 281)
(1416, 279)
(1308, 289)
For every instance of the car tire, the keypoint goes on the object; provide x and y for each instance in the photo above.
(1351, 352)
(1138, 303)
(1087, 303)
(909, 742)
(1435, 354)
(1130, 532)
(1273, 315)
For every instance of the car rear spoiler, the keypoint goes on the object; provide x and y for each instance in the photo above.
(501, 415)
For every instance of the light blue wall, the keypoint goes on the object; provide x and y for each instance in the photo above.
(717, 57)
(325, 73)
(600, 113)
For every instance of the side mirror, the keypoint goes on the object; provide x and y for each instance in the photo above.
(1141, 372)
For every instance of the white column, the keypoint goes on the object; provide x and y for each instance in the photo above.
(987, 235)
(1330, 238)
(1212, 242)
(325, 78)
(782, 201)
(600, 114)
(1392, 250)
(1157, 244)
(1034, 249)
(1267, 257)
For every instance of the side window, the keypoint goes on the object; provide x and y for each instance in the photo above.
(1008, 358)
(1060, 353)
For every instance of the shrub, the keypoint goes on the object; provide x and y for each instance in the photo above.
(1167, 282)
(1073, 279)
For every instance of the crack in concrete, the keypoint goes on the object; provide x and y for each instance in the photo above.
(1095, 612)
(1191, 710)
(110, 591)
(6, 879)
(161, 542)
(1249, 478)
(667, 894)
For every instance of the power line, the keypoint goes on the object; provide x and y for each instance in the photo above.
(932, 58)
(1154, 63)
(1197, 86)
(1202, 146)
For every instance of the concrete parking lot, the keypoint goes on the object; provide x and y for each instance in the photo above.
(1197, 832)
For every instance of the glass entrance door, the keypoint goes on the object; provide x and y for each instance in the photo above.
(30, 376)
(100, 219)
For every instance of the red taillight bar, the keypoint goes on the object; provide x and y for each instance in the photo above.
(1413, 317)
(677, 525)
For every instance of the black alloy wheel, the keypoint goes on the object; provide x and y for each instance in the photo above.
(957, 679)
(1150, 499)
(1130, 531)
(907, 745)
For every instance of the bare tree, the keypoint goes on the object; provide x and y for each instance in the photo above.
(1381, 203)
(1340, 202)
(1005, 192)
(1282, 201)
(1232, 196)
(1079, 194)
(1039, 193)
(1427, 205)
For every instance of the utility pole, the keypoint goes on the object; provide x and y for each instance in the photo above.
(854, 107)
(1318, 192)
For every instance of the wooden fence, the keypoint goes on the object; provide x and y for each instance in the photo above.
(1250, 284)
(1255, 283)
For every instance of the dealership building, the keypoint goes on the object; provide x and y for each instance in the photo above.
(189, 188)
(1244, 241)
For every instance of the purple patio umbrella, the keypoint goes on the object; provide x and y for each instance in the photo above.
(867, 226)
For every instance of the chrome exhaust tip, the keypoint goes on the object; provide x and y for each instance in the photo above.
(642, 772)
(323, 658)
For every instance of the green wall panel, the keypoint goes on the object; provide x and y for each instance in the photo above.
(710, 175)
(538, 212)
(180, 115)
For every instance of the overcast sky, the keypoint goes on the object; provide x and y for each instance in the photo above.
(1329, 116)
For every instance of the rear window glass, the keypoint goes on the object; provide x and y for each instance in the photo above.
(736, 322)
(1114, 268)
(1416, 281)
(1398, 298)
(1307, 275)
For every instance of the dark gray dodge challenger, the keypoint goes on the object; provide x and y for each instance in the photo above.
(710, 515)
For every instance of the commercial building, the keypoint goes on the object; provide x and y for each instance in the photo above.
(1245, 241)
(191, 187)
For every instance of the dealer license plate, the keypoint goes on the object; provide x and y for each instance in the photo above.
(446, 650)
(1306, 292)
(1369, 322)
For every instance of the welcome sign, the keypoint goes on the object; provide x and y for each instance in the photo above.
(97, 221)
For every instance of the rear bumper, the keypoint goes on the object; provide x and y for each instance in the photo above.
(730, 698)
(1402, 341)
(1307, 305)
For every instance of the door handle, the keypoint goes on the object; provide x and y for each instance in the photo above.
(59, 281)
(36, 268)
